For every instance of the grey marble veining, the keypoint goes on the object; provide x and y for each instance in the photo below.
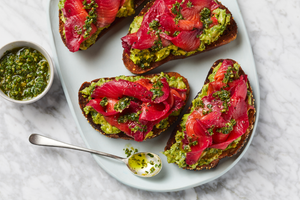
(269, 169)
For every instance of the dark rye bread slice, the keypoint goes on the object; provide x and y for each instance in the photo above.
(228, 35)
(244, 138)
(84, 100)
(137, 3)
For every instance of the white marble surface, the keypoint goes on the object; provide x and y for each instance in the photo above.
(269, 169)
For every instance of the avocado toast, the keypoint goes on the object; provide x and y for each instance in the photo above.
(167, 30)
(134, 107)
(218, 122)
(82, 23)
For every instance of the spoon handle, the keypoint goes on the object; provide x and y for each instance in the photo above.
(45, 141)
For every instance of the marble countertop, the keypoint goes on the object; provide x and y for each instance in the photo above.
(268, 170)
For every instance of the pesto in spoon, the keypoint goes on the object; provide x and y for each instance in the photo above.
(143, 164)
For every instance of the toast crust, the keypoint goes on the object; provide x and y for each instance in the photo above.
(244, 138)
(137, 3)
(228, 35)
(156, 132)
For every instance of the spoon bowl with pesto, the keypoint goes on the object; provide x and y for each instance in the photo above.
(143, 164)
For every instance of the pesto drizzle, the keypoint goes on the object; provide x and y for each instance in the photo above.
(157, 89)
(90, 19)
(176, 8)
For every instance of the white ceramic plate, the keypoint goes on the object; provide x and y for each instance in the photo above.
(104, 59)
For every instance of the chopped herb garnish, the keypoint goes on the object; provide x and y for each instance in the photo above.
(194, 143)
(167, 32)
(139, 127)
(176, 33)
(154, 25)
(156, 90)
(210, 131)
(205, 17)
(228, 127)
(199, 104)
(189, 4)
(223, 95)
(176, 8)
(150, 155)
(104, 102)
(152, 169)
(129, 117)
(230, 74)
(122, 104)
(205, 112)
(157, 45)
(90, 19)
(129, 152)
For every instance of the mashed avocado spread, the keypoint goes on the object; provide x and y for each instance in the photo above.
(176, 154)
(143, 58)
(109, 129)
(127, 9)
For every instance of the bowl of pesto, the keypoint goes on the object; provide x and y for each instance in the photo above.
(26, 72)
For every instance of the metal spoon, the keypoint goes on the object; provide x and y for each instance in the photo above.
(142, 164)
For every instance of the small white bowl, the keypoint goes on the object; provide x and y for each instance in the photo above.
(17, 44)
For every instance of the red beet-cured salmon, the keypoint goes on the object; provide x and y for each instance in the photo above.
(82, 22)
(218, 122)
(173, 29)
(135, 108)
(75, 20)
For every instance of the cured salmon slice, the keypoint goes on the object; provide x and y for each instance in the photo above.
(106, 11)
(120, 88)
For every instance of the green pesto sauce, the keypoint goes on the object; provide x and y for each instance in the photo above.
(141, 161)
(129, 117)
(122, 104)
(176, 154)
(109, 129)
(138, 161)
(143, 58)
(157, 89)
(90, 19)
(24, 73)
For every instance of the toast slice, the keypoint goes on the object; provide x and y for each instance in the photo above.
(117, 20)
(228, 35)
(84, 100)
(238, 144)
